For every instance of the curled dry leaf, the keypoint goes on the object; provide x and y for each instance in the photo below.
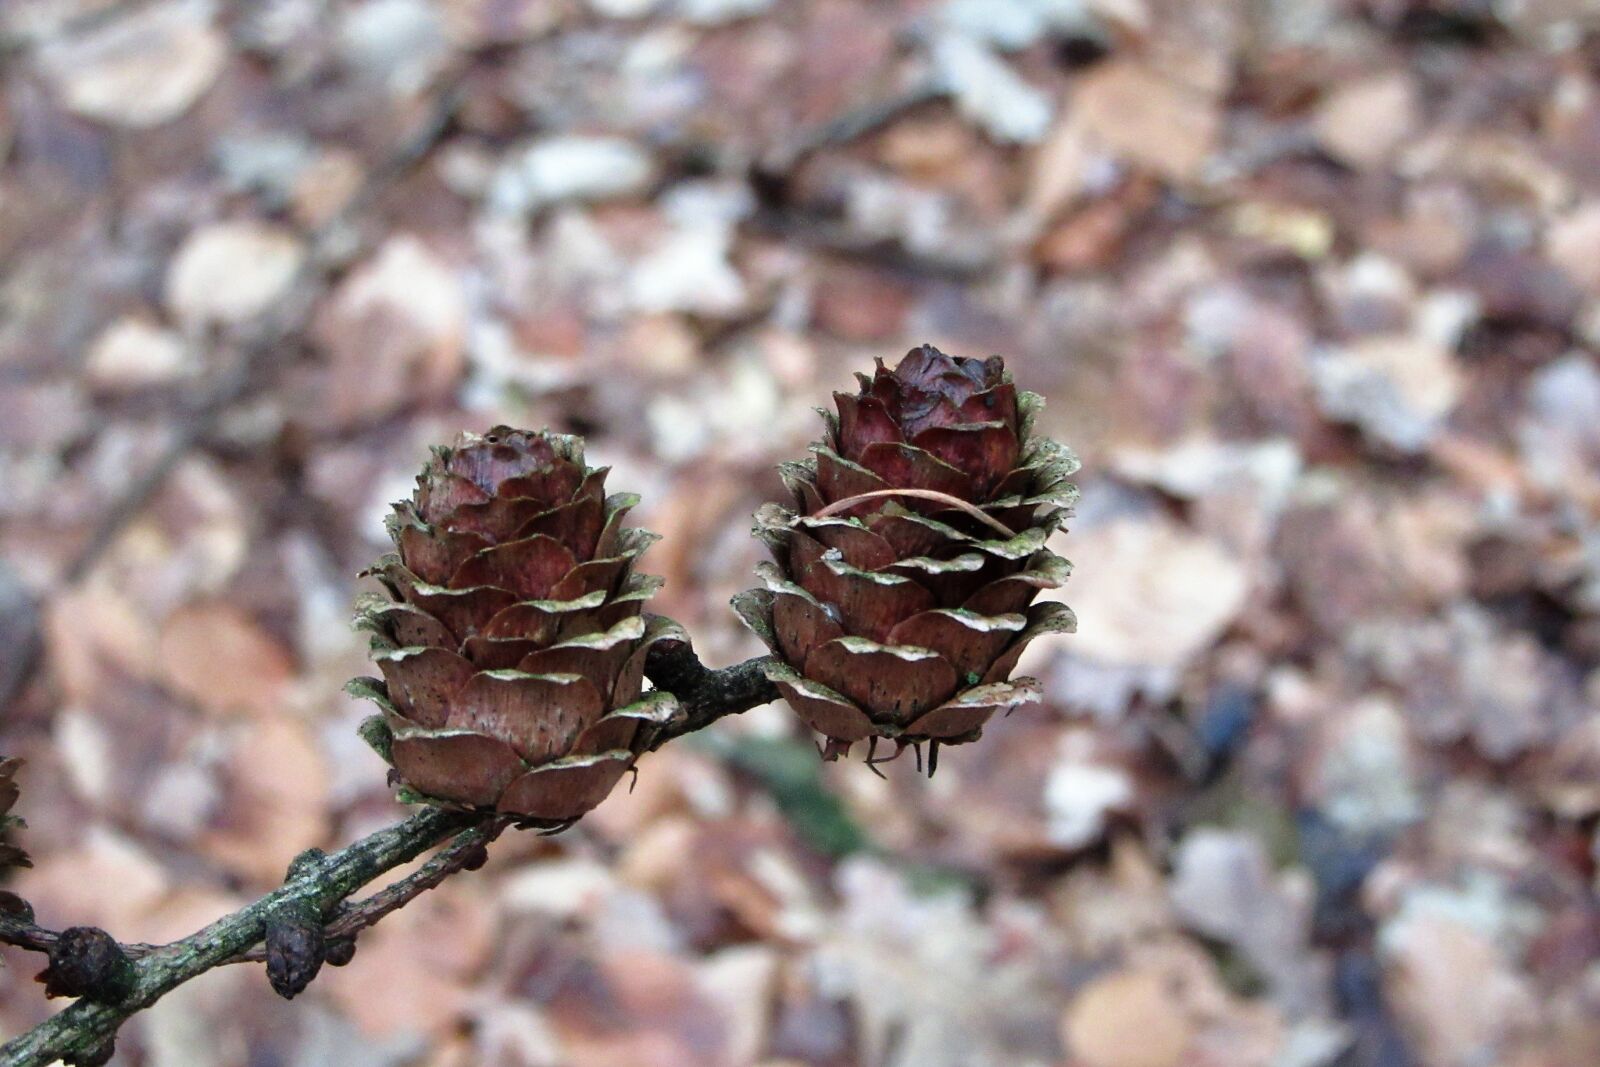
(1148, 118)
(1129, 1018)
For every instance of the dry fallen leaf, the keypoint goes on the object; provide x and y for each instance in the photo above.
(134, 352)
(1452, 985)
(1157, 594)
(275, 802)
(217, 656)
(139, 69)
(417, 967)
(67, 886)
(1397, 388)
(94, 630)
(1127, 1019)
(393, 331)
(1363, 121)
(1140, 115)
(228, 272)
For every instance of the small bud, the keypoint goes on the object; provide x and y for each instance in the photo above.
(475, 858)
(87, 962)
(305, 862)
(340, 951)
(295, 950)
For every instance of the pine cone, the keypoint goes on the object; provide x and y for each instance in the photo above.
(899, 602)
(513, 645)
(10, 855)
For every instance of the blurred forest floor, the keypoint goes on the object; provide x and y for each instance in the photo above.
(1312, 286)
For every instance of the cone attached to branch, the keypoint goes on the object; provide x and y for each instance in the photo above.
(901, 595)
(10, 855)
(512, 642)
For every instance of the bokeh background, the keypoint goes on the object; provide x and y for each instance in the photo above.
(1312, 286)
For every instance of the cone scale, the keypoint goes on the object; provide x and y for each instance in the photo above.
(901, 591)
(511, 640)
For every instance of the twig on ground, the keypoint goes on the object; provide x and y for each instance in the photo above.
(845, 127)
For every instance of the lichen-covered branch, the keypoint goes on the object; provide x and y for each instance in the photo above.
(465, 852)
(321, 884)
(83, 1034)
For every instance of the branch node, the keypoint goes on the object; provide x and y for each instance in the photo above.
(475, 857)
(705, 695)
(87, 962)
(306, 862)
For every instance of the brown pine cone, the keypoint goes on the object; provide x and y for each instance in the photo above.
(10, 855)
(899, 600)
(512, 643)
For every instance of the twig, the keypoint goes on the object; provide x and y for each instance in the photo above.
(465, 852)
(706, 695)
(22, 933)
(846, 127)
(817, 226)
(83, 1032)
